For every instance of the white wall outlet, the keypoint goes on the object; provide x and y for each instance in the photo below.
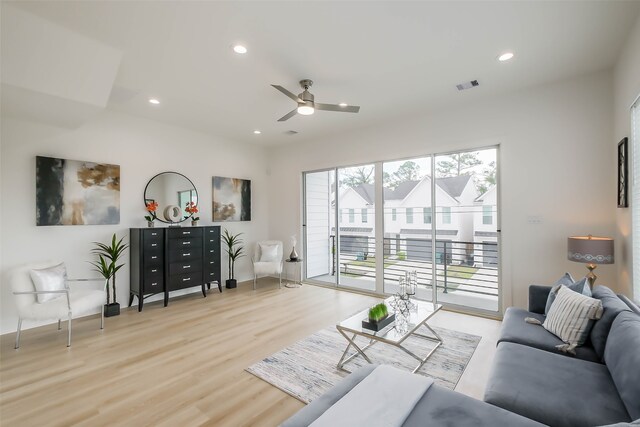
(534, 219)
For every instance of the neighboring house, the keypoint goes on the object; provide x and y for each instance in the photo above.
(485, 226)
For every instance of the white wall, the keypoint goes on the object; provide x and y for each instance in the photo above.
(556, 162)
(142, 148)
(626, 81)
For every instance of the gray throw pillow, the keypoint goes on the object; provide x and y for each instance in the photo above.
(49, 279)
(581, 287)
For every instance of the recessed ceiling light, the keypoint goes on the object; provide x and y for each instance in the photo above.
(505, 56)
(239, 49)
(257, 132)
(153, 101)
(343, 104)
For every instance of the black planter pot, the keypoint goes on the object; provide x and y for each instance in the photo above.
(231, 283)
(111, 310)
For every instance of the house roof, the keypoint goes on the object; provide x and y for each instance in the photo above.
(481, 197)
(453, 186)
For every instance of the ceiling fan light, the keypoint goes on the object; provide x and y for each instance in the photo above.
(306, 109)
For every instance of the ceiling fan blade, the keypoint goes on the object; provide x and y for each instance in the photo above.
(288, 115)
(334, 107)
(289, 94)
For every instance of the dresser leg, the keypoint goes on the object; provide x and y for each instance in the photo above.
(130, 299)
(209, 285)
(219, 286)
(140, 302)
(166, 299)
(204, 290)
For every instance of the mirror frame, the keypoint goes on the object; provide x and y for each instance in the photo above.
(155, 216)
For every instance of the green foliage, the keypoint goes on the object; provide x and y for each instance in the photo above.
(107, 264)
(488, 178)
(356, 176)
(408, 171)
(402, 256)
(457, 164)
(233, 249)
(378, 312)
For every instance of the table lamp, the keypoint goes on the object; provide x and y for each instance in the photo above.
(590, 250)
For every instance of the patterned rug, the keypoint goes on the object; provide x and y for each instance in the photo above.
(307, 369)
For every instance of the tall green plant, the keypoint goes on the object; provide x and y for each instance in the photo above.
(233, 249)
(107, 264)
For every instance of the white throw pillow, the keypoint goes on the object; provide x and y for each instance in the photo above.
(570, 317)
(49, 279)
(268, 253)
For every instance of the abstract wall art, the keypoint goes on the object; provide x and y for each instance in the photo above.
(231, 199)
(623, 174)
(72, 192)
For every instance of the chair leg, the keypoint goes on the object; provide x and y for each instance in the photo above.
(59, 324)
(18, 333)
(102, 317)
(280, 281)
(69, 337)
(254, 282)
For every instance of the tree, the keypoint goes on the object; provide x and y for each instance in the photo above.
(356, 176)
(457, 164)
(487, 179)
(408, 171)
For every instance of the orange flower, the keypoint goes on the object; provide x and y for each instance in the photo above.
(191, 208)
(152, 206)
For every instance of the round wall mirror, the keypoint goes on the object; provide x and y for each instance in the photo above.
(169, 189)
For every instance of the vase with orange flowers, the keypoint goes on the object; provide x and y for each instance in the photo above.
(151, 206)
(192, 209)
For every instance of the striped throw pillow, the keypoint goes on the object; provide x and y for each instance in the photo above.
(571, 317)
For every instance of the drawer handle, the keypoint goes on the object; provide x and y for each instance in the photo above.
(210, 262)
(154, 234)
(186, 266)
(154, 257)
(211, 250)
(186, 254)
(154, 284)
(153, 271)
(211, 240)
(187, 279)
(154, 244)
(186, 232)
(186, 243)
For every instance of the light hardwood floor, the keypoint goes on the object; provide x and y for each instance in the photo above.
(183, 365)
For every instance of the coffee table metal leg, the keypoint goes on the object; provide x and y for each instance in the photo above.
(353, 344)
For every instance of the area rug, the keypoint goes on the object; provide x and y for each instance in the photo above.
(307, 369)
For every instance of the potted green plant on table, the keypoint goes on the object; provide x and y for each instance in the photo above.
(378, 318)
(234, 250)
(107, 265)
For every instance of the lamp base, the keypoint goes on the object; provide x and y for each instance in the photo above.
(591, 277)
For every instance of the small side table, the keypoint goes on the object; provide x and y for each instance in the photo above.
(297, 263)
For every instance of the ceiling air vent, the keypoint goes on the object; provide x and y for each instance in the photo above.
(468, 85)
(291, 132)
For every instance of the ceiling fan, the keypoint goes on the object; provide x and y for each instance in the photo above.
(306, 104)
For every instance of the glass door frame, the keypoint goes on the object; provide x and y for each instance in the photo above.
(379, 228)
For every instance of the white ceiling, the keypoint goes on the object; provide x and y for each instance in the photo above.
(392, 58)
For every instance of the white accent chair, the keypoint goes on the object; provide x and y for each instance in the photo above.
(71, 303)
(264, 268)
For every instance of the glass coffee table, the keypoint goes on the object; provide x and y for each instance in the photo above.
(395, 334)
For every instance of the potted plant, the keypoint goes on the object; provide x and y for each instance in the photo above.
(152, 206)
(378, 318)
(234, 250)
(107, 266)
(192, 209)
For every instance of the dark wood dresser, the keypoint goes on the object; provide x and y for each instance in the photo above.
(169, 259)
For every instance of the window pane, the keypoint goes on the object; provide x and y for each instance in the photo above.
(446, 215)
(426, 212)
(487, 215)
(409, 215)
(364, 215)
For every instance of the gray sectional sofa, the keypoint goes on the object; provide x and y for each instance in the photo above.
(532, 383)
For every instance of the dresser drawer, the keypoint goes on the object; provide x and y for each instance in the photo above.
(151, 270)
(152, 235)
(211, 276)
(153, 257)
(211, 264)
(187, 280)
(185, 267)
(210, 242)
(185, 254)
(153, 283)
(185, 243)
(184, 232)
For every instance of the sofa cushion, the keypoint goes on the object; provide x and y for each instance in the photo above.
(553, 389)
(622, 355)
(516, 330)
(581, 287)
(612, 306)
(443, 407)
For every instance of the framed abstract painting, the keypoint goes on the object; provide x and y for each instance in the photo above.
(623, 174)
(73, 192)
(231, 199)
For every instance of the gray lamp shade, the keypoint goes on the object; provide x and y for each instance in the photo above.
(590, 249)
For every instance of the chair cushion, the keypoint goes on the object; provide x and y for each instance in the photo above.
(612, 306)
(622, 354)
(262, 268)
(570, 315)
(83, 301)
(516, 330)
(268, 253)
(49, 279)
(553, 389)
